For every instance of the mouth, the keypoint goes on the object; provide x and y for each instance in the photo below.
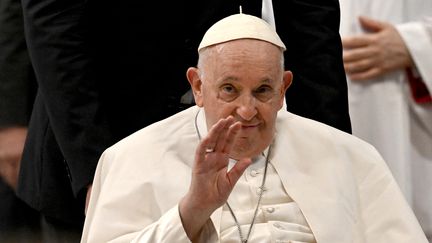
(247, 127)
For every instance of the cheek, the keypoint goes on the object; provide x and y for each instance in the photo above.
(269, 116)
(217, 110)
(218, 106)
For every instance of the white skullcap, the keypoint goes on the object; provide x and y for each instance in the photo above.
(240, 26)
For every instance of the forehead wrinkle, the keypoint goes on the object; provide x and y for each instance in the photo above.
(228, 53)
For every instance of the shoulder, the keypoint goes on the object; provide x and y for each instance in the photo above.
(168, 130)
(323, 146)
(157, 139)
(311, 133)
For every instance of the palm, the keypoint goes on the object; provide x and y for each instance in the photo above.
(212, 183)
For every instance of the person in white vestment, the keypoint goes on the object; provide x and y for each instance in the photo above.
(388, 61)
(238, 168)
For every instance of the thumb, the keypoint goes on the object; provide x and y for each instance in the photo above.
(237, 170)
(371, 25)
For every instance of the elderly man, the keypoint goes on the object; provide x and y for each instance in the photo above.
(236, 169)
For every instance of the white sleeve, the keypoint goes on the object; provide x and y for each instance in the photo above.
(168, 228)
(123, 210)
(418, 39)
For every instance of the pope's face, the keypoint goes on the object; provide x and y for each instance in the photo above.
(243, 78)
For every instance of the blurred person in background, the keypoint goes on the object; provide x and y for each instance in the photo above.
(18, 222)
(388, 60)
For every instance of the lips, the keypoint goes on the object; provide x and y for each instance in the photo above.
(249, 126)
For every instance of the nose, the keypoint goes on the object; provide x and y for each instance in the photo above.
(246, 108)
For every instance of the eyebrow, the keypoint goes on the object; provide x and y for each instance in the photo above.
(235, 79)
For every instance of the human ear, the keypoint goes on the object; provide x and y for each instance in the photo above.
(195, 82)
(287, 80)
(286, 83)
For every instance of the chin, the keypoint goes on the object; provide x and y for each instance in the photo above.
(245, 148)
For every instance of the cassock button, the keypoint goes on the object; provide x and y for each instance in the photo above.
(270, 210)
(254, 173)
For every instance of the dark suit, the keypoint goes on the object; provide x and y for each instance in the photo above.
(18, 222)
(106, 69)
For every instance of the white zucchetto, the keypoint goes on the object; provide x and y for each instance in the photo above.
(240, 26)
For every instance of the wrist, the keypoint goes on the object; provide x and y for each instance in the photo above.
(193, 217)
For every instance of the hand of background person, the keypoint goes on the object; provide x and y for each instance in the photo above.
(211, 182)
(379, 51)
(12, 141)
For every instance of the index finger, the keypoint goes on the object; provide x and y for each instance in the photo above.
(215, 136)
(355, 41)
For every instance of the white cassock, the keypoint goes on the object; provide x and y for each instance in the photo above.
(383, 111)
(324, 186)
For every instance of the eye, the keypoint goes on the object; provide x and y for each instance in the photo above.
(263, 89)
(228, 92)
(264, 93)
(228, 88)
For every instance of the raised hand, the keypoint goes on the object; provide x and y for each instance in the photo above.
(211, 182)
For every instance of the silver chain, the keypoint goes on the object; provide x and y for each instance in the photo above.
(262, 189)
